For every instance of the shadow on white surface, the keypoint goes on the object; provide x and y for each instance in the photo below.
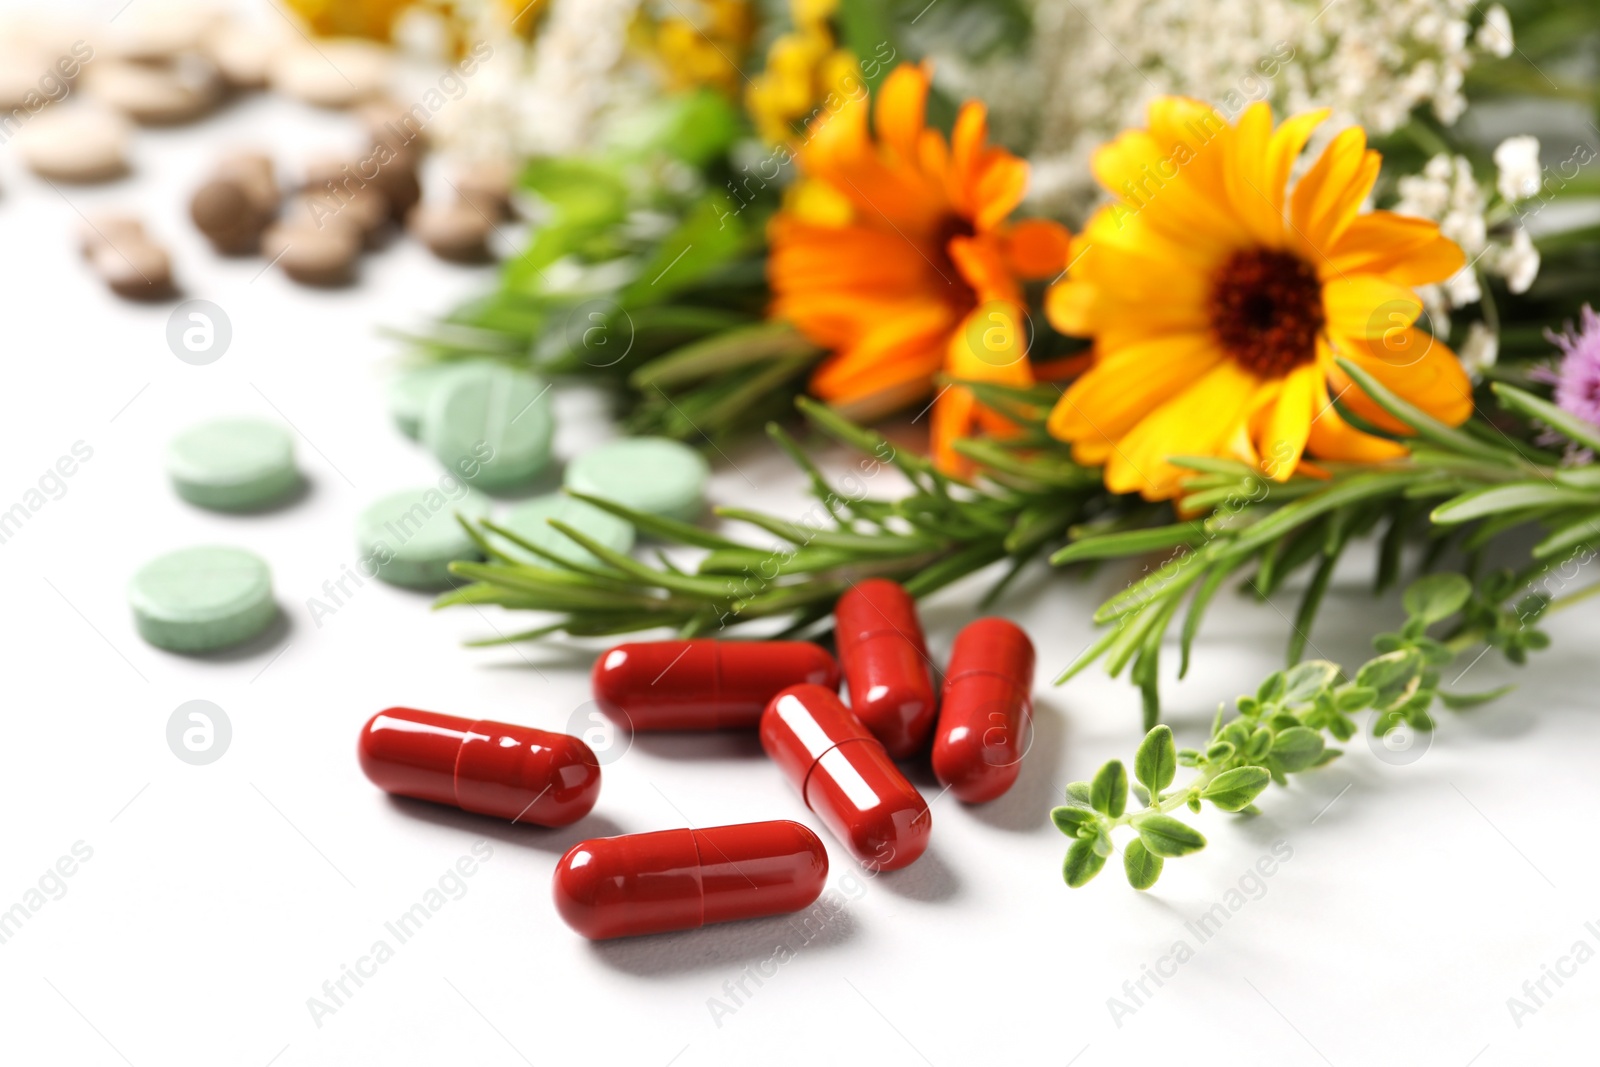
(553, 839)
(724, 946)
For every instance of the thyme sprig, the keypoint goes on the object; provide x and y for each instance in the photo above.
(1280, 731)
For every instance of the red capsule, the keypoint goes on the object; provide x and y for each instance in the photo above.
(703, 684)
(986, 713)
(488, 768)
(684, 879)
(846, 777)
(885, 661)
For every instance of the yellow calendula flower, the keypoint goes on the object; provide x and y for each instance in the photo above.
(804, 66)
(1218, 302)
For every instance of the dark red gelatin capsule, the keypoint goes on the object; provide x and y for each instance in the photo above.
(846, 777)
(684, 879)
(986, 712)
(488, 768)
(703, 684)
(885, 660)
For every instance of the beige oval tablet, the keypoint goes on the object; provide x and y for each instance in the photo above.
(138, 270)
(244, 52)
(100, 230)
(158, 32)
(457, 232)
(155, 95)
(487, 185)
(75, 145)
(312, 256)
(336, 73)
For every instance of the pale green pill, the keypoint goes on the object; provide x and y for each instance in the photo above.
(529, 521)
(200, 599)
(412, 388)
(233, 464)
(410, 538)
(491, 425)
(649, 474)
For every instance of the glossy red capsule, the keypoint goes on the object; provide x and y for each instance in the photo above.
(703, 684)
(846, 777)
(684, 879)
(488, 768)
(885, 660)
(986, 712)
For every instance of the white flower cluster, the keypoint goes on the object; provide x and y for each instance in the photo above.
(1095, 65)
(1447, 192)
(548, 99)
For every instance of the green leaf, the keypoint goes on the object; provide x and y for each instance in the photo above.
(1156, 762)
(1462, 701)
(1425, 425)
(1235, 789)
(722, 351)
(1166, 836)
(1109, 791)
(1355, 698)
(1082, 864)
(1305, 680)
(1079, 792)
(1582, 533)
(1129, 543)
(1070, 819)
(1297, 748)
(1387, 669)
(1437, 597)
(1578, 430)
(1513, 496)
(1306, 615)
(1142, 866)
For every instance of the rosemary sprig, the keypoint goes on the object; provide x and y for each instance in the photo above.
(1280, 731)
(942, 530)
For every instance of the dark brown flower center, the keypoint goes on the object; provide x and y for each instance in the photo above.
(1266, 310)
(948, 229)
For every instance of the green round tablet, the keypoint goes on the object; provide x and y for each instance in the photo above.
(650, 474)
(233, 464)
(529, 522)
(411, 389)
(199, 599)
(491, 425)
(410, 538)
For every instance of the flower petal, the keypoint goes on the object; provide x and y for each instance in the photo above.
(1365, 305)
(1123, 387)
(1196, 422)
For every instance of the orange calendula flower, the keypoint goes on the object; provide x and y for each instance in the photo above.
(1218, 302)
(895, 252)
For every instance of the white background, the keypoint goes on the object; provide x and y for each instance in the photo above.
(219, 899)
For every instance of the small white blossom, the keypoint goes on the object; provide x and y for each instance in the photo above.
(1520, 171)
(1461, 288)
(1494, 36)
(1480, 350)
(1519, 262)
